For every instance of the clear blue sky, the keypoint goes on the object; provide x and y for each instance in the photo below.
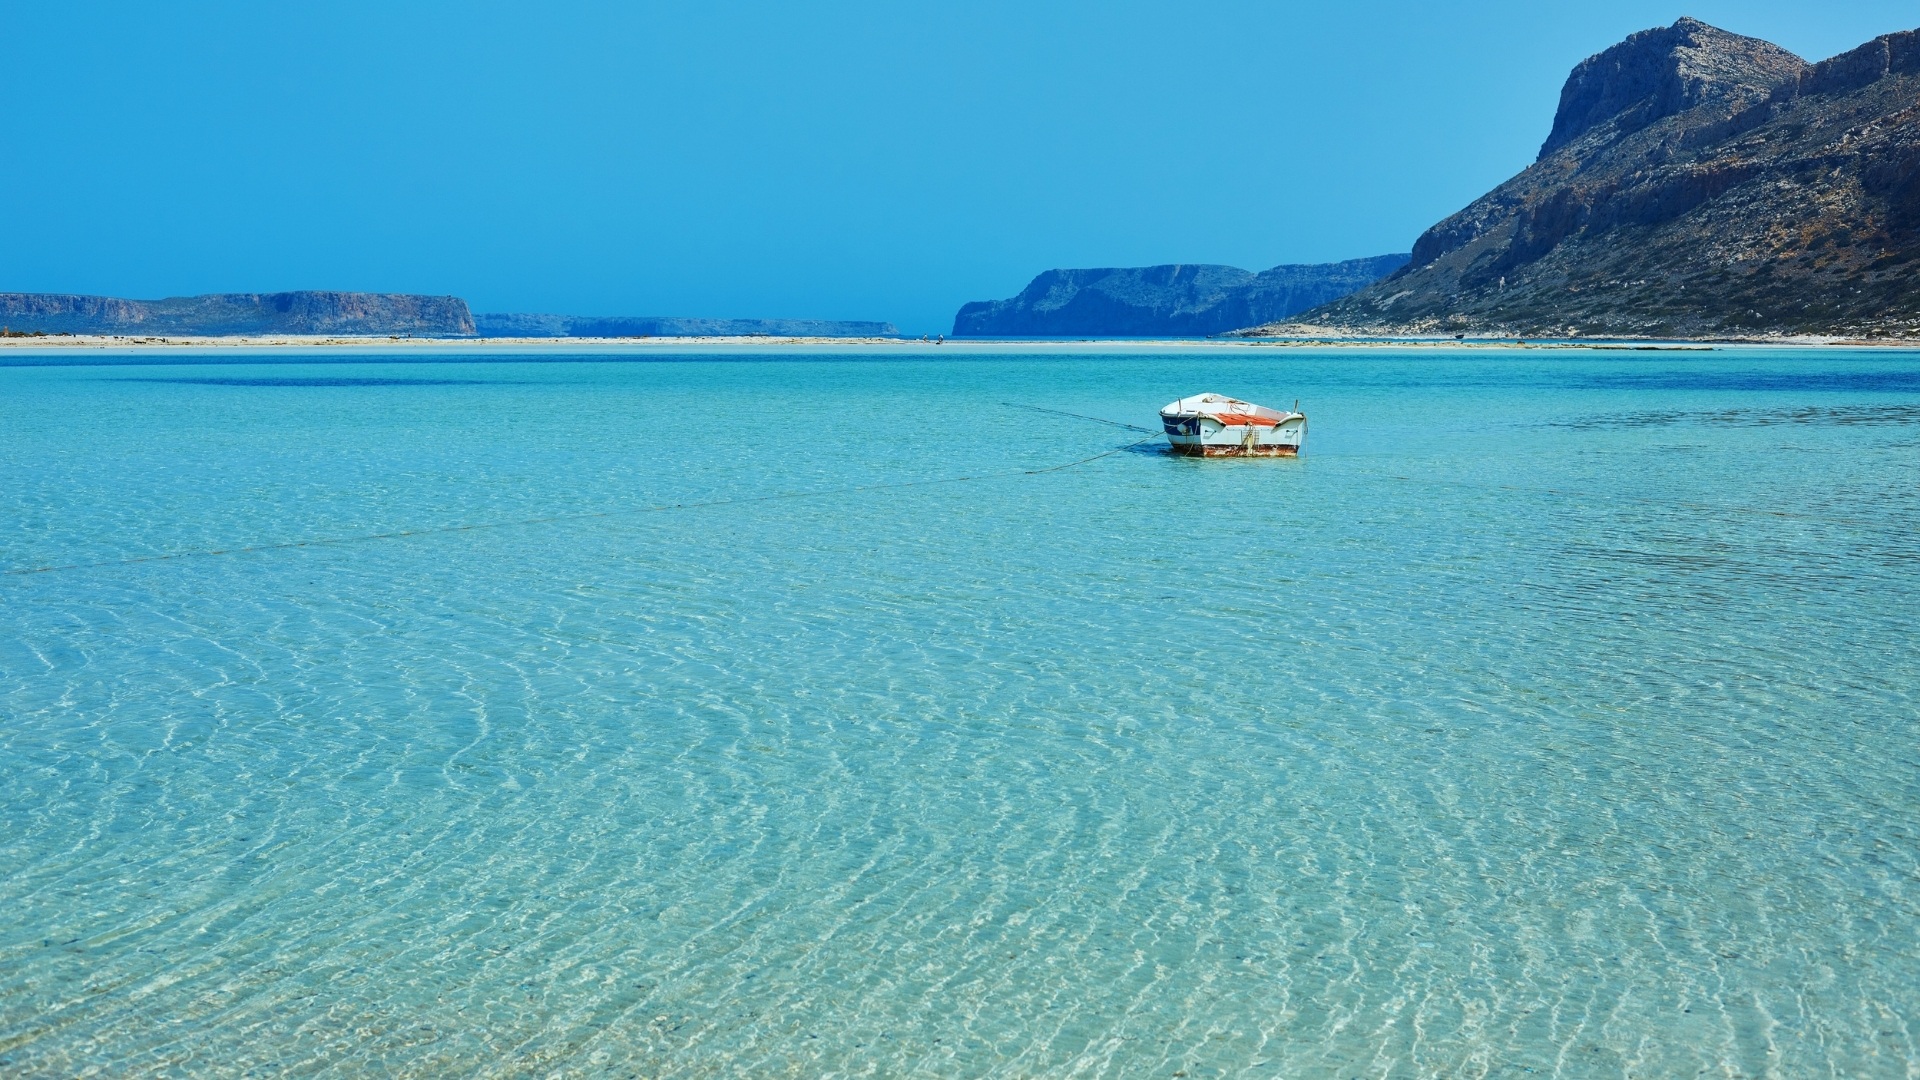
(834, 160)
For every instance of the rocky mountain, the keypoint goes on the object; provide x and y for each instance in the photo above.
(529, 325)
(351, 313)
(1182, 300)
(1696, 183)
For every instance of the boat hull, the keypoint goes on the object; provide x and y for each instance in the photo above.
(1235, 435)
(1234, 450)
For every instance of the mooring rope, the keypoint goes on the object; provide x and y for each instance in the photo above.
(1078, 416)
(894, 485)
(1563, 493)
(563, 518)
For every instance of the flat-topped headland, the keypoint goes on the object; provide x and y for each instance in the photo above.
(330, 315)
(222, 314)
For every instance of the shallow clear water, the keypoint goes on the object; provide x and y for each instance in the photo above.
(1555, 714)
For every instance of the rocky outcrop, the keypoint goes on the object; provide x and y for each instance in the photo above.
(1659, 73)
(1695, 184)
(602, 326)
(1182, 300)
(222, 314)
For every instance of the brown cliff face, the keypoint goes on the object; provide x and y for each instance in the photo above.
(1696, 183)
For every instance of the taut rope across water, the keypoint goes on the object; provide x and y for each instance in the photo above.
(560, 518)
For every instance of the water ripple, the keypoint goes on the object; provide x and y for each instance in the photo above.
(1563, 749)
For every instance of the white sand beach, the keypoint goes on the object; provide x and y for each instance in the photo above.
(535, 346)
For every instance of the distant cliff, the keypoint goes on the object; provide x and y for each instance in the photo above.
(1696, 183)
(221, 314)
(528, 325)
(1182, 300)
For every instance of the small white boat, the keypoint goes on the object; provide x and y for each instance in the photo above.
(1214, 425)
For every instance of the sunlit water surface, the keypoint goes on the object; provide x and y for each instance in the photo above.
(1554, 715)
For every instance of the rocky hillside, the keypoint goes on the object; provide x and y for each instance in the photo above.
(1165, 301)
(530, 325)
(1696, 183)
(238, 313)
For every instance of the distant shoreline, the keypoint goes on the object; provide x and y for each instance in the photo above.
(301, 343)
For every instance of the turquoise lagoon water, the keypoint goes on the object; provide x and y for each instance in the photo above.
(1555, 715)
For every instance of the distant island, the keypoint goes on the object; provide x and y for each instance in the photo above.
(360, 314)
(1179, 300)
(1696, 183)
(234, 314)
